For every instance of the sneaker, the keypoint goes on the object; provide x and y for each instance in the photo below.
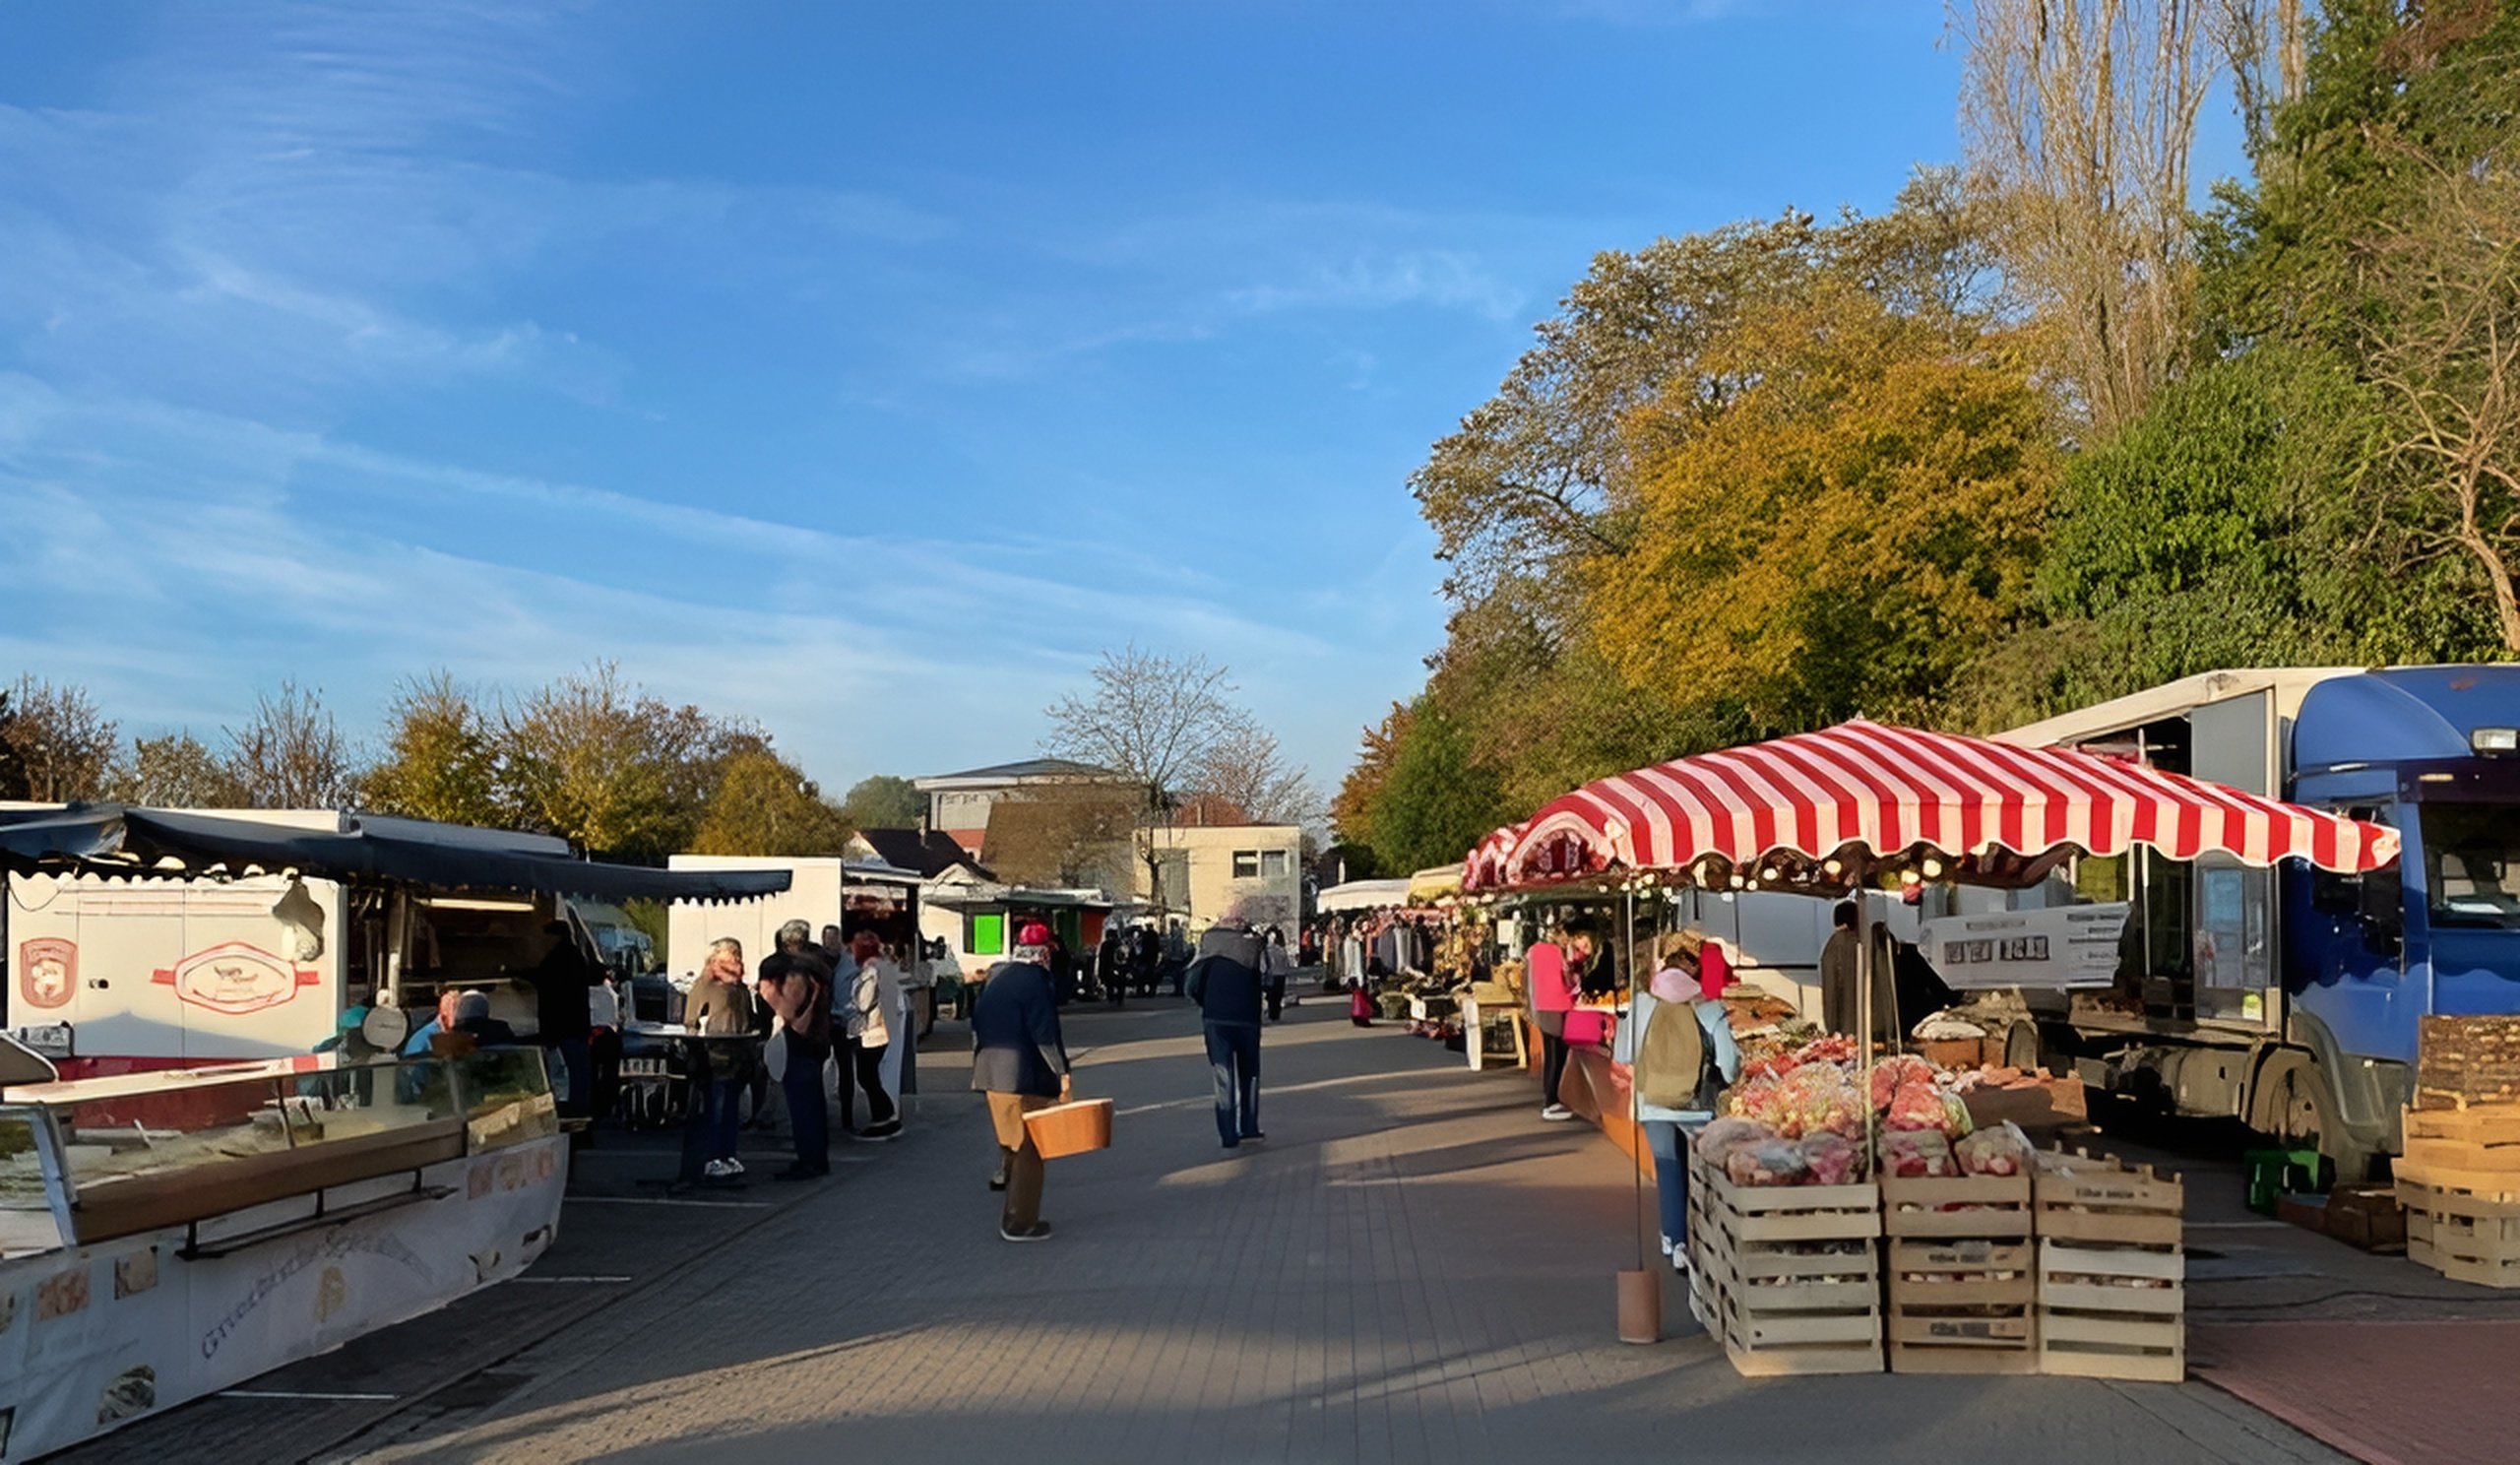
(1038, 1231)
(892, 1130)
(734, 1167)
(1681, 1261)
(1557, 1113)
(1254, 1138)
(720, 1169)
(1667, 1245)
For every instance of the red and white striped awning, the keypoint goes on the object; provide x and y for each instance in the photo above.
(1975, 809)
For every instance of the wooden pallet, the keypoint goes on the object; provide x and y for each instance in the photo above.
(1962, 1206)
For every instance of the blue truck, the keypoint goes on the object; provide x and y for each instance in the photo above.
(2290, 998)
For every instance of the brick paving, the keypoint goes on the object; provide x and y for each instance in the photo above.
(1413, 1268)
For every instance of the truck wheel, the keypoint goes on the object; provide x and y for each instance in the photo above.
(2295, 1106)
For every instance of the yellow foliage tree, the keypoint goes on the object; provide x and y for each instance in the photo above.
(1859, 514)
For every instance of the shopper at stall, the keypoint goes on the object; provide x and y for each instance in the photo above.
(1590, 972)
(720, 1006)
(1840, 992)
(796, 984)
(874, 1007)
(472, 1020)
(1227, 981)
(1019, 1061)
(1677, 1044)
(560, 1015)
(1544, 973)
(1177, 956)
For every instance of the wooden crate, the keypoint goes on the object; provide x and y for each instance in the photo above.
(2113, 1312)
(2112, 1274)
(2084, 1197)
(2460, 1183)
(2465, 1061)
(1989, 1207)
(1794, 1281)
(1962, 1306)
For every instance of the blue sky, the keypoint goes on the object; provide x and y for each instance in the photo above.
(861, 369)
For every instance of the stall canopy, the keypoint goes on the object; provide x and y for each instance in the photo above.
(1363, 895)
(111, 839)
(1823, 810)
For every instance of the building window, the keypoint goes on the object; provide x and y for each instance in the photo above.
(1246, 865)
(1273, 863)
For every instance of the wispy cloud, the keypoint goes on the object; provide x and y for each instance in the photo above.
(1440, 278)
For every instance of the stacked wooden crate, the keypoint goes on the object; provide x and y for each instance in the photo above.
(1960, 1267)
(2460, 1183)
(2111, 1269)
(1789, 1276)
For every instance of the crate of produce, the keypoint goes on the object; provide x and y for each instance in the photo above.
(2460, 1183)
(2080, 1196)
(2111, 1269)
(1990, 1207)
(1961, 1306)
(1792, 1279)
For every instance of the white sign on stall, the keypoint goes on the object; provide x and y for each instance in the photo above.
(2050, 950)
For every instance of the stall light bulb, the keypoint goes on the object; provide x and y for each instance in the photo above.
(1933, 867)
(1833, 866)
(1769, 873)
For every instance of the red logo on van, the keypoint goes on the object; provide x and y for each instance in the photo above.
(236, 978)
(47, 971)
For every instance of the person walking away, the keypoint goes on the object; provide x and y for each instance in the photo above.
(1146, 959)
(1677, 1041)
(1019, 1062)
(1275, 965)
(1177, 956)
(944, 978)
(1544, 973)
(796, 984)
(1111, 966)
(1227, 983)
(874, 1007)
(720, 1006)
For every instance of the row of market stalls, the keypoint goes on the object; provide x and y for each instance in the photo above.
(1831, 1134)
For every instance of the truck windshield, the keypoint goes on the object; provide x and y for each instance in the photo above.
(2472, 861)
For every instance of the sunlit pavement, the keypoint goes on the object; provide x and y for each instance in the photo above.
(1414, 1267)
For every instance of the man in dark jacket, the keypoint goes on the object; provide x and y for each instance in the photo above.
(1019, 1060)
(1112, 965)
(1226, 982)
(562, 1019)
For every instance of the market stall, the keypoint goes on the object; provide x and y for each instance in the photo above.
(1863, 810)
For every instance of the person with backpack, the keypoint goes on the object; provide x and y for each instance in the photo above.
(1677, 1044)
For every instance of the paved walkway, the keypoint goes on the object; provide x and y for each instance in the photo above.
(1414, 1268)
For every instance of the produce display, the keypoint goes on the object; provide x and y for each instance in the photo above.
(1801, 1109)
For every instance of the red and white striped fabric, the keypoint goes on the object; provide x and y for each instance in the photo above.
(1881, 792)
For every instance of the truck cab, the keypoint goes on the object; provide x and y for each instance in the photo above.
(2292, 998)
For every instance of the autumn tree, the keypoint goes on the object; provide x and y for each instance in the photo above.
(2080, 117)
(1351, 810)
(764, 804)
(883, 801)
(173, 771)
(440, 761)
(290, 753)
(62, 742)
(608, 767)
(1862, 513)
(13, 768)
(1150, 718)
(1438, 801)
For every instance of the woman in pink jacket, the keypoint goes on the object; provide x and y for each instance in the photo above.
(1552, 989)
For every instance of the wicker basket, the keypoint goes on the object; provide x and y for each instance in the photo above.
(1073, 1129)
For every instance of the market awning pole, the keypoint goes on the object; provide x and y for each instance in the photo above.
(1859, 868)
(1635, 1112)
